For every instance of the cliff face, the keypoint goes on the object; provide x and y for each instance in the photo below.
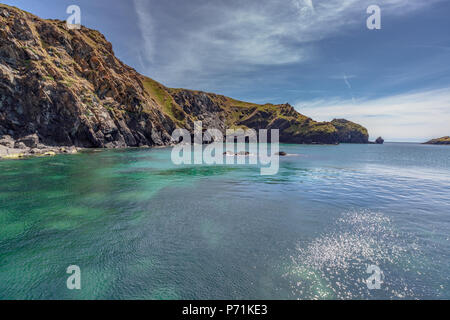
(67, 88)
(70, 89)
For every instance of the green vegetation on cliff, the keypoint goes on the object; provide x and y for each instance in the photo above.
(350, 132)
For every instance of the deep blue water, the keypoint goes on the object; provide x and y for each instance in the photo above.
(140, 227)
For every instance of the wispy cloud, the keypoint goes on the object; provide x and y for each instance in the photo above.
(195, 42)
(346, 79)
(147, 30)
(416, 116)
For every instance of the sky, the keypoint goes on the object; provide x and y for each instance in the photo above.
(318, 55)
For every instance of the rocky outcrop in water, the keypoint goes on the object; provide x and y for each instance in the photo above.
(66, 88)
(379, 140)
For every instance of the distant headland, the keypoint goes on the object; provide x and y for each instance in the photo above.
(441, 141)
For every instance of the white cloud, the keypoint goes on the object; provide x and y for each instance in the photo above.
(194, 42)
(414, 116)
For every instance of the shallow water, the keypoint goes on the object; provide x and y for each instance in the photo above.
(140, 227)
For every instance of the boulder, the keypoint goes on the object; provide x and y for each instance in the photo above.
(30, 141)
(19, 145)
(7, 141)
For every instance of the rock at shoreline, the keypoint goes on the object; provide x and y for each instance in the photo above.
(281, 153)
(30, 141)
(10, 149)
(7, 141)
(440, 141)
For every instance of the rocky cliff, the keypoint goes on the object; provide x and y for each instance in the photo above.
(66, 88)
(350, 132)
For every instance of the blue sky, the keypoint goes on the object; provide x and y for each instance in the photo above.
(317, 55)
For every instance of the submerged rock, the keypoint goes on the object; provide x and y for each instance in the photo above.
(241, 153)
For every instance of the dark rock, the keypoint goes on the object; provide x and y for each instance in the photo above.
(281, 153)
(379, 140)
(20, 145)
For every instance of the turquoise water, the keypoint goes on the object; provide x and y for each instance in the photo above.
(140, 227)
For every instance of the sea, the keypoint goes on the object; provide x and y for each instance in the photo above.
(349, 221)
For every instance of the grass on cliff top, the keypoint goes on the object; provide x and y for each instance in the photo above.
(440, 140)
(311, 128)
(239, 111)
(159, 93)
